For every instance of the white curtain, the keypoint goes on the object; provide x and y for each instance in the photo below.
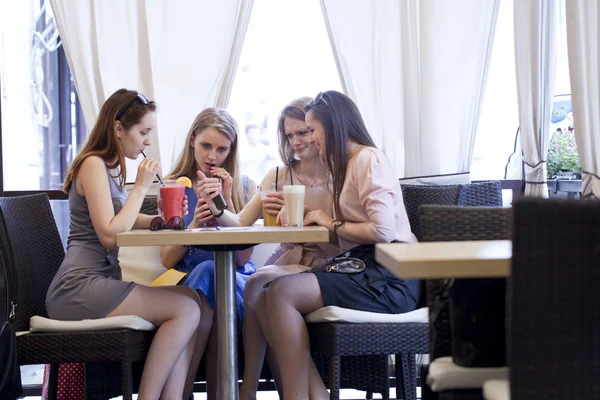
(536, 43)
(417, 71)
(583, 33)
(182, 54)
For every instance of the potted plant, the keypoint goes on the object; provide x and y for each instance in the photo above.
(563, 158)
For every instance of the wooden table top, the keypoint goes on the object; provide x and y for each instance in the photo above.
(224, 236)
(436, 260)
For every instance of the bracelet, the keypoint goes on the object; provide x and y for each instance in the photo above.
(336, 224)
(219, 214)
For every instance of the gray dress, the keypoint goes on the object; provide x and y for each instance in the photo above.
(88, 283)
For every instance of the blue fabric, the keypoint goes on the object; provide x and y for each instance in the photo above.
(200, 265)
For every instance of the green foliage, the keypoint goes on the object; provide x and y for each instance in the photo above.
(562, 153)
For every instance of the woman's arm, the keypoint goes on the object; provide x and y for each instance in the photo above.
(246, 217)
(143, 221)
(171, 255)
(92, 182)
(242, 257)
(376, 189)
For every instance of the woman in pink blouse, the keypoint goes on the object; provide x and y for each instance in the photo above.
(368, 209)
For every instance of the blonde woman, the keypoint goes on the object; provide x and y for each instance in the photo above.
(296, 149)
(211, 147)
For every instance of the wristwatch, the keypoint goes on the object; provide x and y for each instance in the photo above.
(335, 224)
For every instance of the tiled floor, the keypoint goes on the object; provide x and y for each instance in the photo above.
(33, 375)
(344, 394)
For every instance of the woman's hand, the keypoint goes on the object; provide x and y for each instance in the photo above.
(227, 180)
(202, 214)
(318, 217)
(282, 217)
(146, 172)
(273, 202)
(207, 188)
(184, 206)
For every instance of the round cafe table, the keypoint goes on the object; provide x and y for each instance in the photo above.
(224, 242)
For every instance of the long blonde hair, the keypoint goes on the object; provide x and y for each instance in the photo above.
(224, 123)
(103, 141)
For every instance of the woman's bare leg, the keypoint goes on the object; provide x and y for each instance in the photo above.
(255, 344)
(211, 365)
(177, 315)
(288, 299)
(202, 338)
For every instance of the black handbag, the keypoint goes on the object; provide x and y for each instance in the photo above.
(477, 319)
(10, 373)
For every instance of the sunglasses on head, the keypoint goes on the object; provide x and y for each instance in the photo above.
(140, 97)
(175, 223)
(320, 97)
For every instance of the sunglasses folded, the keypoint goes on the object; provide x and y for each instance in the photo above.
(175, 223)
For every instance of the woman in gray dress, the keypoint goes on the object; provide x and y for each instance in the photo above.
(88, 284)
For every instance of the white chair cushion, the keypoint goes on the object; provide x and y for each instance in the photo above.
(338, 314)
(496, 389)
(445, 375)
(41, 324)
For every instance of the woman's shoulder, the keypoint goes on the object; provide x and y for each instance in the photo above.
(269, 178)
(94, 162)
(92, 168)
(365, 157)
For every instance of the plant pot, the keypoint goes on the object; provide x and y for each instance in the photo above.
(568, 176)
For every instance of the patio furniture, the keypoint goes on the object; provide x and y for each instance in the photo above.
(446, 223)
(553, 305)
(31, 247)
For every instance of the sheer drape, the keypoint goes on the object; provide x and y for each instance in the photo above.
(536, 42)
(417, 72)
(583, 32)
(183, 54)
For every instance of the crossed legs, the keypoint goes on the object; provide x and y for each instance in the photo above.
(287, 300)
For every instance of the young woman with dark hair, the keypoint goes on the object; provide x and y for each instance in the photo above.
(367, 209)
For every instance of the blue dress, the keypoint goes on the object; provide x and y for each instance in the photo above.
(200, 265)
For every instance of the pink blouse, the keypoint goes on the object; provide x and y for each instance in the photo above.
(371, 193)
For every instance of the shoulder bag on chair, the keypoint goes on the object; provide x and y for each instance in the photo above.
(10, 373)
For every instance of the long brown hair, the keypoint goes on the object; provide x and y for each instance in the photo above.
(342, 123)
(103, 141)
(224, 123)
(294, 110)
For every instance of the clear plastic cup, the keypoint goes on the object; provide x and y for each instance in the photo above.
(269, 220)
(172, 195)
(293, 196)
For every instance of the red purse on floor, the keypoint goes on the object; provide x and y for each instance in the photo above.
(71, 382)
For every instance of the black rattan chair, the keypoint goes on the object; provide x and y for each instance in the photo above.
(554, 313)
(30, 246)
(447, 223)
(357, 354)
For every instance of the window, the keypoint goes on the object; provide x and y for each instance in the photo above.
(499, 119)
(496, 139)
(42, 124)
(286, 55)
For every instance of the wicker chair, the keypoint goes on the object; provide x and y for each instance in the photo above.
(553, 305)
(31, 247)
(446, 223)
(357, 354)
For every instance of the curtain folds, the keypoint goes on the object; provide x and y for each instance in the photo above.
(583, 31)
(181, 54)
(536, 42)
(417, 72)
